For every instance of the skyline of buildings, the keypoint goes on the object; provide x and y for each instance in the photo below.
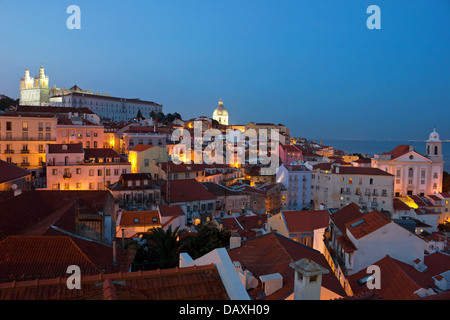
(205, 163)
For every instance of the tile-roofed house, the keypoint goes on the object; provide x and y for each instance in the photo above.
(43, 257)
(197, 202)
(130, 224)
(402, 281)
(305, 226)
(367, 224)
(272, 253)
(65, 148)
(103, 154)
(11, 174)
(33, 212)
(188, 283)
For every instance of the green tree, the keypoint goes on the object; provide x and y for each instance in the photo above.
(207, 239)
(139, 115)
(163, 247)
(177, 116)
(170, 117)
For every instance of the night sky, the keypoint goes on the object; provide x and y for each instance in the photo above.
(312, 65)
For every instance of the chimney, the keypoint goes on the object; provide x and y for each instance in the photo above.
(114, 252)
(235, 241)
(271, 283)
(419, 265)
(308, 279)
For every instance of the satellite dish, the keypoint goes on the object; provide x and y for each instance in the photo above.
(14, 186)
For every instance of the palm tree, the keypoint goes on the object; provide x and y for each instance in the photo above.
(164, 247)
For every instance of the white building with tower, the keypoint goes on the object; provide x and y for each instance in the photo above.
(34, 91)
(221, 114)
(415, 173)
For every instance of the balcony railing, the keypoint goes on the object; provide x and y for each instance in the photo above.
(9, 151)
(24, 164)
(26, 139)
(24, 151)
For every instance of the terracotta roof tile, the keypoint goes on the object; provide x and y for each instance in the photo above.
(191, 283)
(305, 221)
(348, 213)
(11, 172)
(272, 253)
(367, 224)
(171, 211)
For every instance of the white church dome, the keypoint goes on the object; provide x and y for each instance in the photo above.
(220, 110)
(434, 136)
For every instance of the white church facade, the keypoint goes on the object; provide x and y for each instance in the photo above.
(415, 173)
(220, 114)
(36, 92)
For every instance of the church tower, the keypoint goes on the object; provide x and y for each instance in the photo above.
(34, 91)
(221, 114)
(434, 147)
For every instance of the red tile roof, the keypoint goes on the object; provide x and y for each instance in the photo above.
(103, 153)
(171, 211)
(272, 253)
(343, 216)
(186, 190)
(398, 151)
(346, 244)
(361, 171)
(144, 218)
(190, 283)
(41, 257)
(33, 212)
(367, 224)
(400, 205)
(65, 148)
(306, 221)
(141, 147)
(11, 172)
(400, 280)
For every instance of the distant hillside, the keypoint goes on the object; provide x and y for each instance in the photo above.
(6, 102)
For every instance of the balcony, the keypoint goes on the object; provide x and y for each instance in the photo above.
(67, 175)
(26, 139)
(9, 151)
(24, 151)
(24, 164)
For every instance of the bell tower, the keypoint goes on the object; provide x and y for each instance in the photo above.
(434, 147)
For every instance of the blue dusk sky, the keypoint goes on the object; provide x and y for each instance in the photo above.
(312, 65)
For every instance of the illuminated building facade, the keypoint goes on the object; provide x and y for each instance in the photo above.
(415, 174)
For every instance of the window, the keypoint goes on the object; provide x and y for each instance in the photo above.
(40, 136)
(116, 172)
(146, 162)
(108, 172)
(48, 126)
(91, 172)
(47, 136)
(41, 148)
(55, 172)
(91, 186)
(350, 180)
(66, 186)
(410, 173)
(78, 185)
(398, 173)
(24, 126)
(95, 133)
(8, 125)
(95, 144)
(99, 172)
(41, 126)
(371, 181)
(435, 175)
(422, 173)
(78, 170)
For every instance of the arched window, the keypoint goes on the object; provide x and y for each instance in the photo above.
(428, 150)
(436, 150)
(410, 173)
